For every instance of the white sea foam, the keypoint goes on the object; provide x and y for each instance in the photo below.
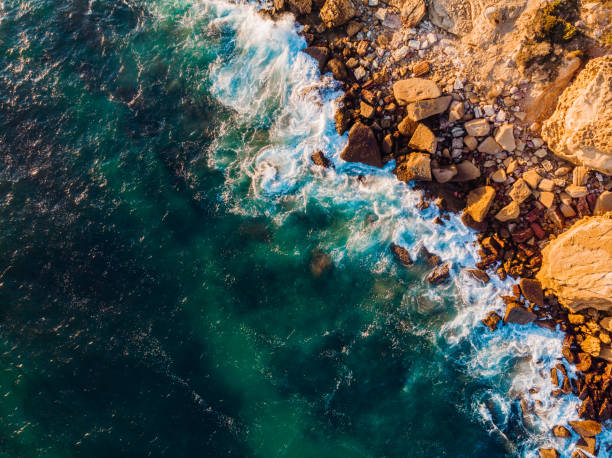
(276, 88)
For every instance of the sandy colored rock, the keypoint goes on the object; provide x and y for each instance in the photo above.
(520, 191)
(580, 175)
(603, 204)
(580, 130)
(414, 90)
(456, 111)
(567, 211)
(454, 16)
(477, 127)
(509, 212)
(505, 137)
(546, 185)
(547, 198)
(417, 166)
(591, 345)
(407, 127)
(366, 110)
(499, 176)
(548, 453)
(489, 146)
(337, 12)
(426, 108)
(576, 191)
(411, 11)
(466, 171)
(471, 142)
(532, 177)
(362, 146)
(295, 6)
(577, 265)
(423, 139)
(320, 54)
(586, 428)
(561, 431)
(479, 202)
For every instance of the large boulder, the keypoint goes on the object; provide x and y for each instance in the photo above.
(479, 202)
(580, 130)
(338, 12)
(362, 146)
(416, 166)
(577, 265)
(426, 108)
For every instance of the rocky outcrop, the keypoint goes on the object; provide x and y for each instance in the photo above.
(362, 146)
(411, 11)
(580, 130)
(338, 12)
(577, 265)
(295, 6)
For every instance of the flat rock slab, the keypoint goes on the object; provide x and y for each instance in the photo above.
(426, 108)
(479, 202)
(414, 90)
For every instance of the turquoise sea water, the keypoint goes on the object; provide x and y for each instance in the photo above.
(160, 227)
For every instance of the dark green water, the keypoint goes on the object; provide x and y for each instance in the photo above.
(143, 315)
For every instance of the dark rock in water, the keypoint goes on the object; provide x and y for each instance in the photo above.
(337, 68)
(469, 222)
(492, 320)
(586, 428)
(439, 275)
(516, 313)
(532, 290)
(320, 263)
(548, 453)
(401, 254)
(479, 275)
(551, 325)
(342, 118)
(319, 159)
(432, 259)
(561, 431)
(362, 146)
(320, 54)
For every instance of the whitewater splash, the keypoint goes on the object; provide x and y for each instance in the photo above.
(276, 89)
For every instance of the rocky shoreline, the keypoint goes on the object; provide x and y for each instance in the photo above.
(516, 135)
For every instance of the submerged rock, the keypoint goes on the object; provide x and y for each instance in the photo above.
(516, 313)
(362, 146)
(478, 274)
(577, 265)
(320, 263)
(320, 54)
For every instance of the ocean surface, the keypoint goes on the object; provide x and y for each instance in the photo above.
(178, 279)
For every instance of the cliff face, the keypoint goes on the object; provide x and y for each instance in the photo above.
(580, 130)
(577, 265)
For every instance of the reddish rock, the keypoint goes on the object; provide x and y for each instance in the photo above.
(516, 313)
(586, 428)
(522, 235)
(548, 453)
(537, 230)
(478, 274)
(532, 290)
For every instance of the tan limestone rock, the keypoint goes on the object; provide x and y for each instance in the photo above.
(505, 137)
(603, 204)
(580, 130)
(576, 191)
(417, 166)
(577, 265)
(547, 198)
(499, 176)
(423, 139)
(509, 212)
(407, 127)
(337, 12)
(456, 111)
(414, 90)
(489, 146)
(477, 127)
(479, 202)
(426, 108)
(471, 142)
(520, 191)
(532, 177)
(411, 11)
